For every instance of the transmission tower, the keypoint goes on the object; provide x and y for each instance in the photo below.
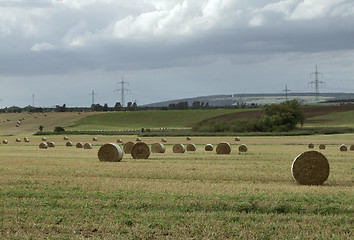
(93, 94)
(122, 90)
(32, 100)
(286, 90)
(317, 83)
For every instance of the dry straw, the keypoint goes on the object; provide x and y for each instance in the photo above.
(69, 144)
(310, 168)
(138, 139)
(119, 140)
(4, 141)
(87, 146)
(18, 139)
(311, 145)
(179, 148)
(95, 139)
(322, 146)
(43, 145)
(158, 148)
(189, 138)
(352, 148)
(164, 140)
(26, 139)
(223, 148)
(51, 144)
(242, 148)
(127, 148)
(79, 145)
(237, 139)
(110, 152)
(44, 139)
(66, 138)
(140, 150)
(209, 147)
(343, 148)
(191, 147)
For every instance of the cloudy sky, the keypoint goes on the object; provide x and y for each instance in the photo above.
(62, 50)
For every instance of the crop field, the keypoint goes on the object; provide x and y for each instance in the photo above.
(67, 193)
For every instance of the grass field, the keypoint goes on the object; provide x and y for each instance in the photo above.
(66, 193)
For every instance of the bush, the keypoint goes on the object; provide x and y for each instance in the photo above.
(59, 129)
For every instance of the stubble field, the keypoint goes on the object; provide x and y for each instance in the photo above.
(67, 193)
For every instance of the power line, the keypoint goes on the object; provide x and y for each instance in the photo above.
(286, 90)
(122, 90)
(93, 94)
(317, 83)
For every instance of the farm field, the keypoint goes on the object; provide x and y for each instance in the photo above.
(67, 193)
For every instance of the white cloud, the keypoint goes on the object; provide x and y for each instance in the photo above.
(42, 47)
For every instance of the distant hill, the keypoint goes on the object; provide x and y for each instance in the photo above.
(261, 99)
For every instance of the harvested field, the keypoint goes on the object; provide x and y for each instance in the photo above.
(68, 193)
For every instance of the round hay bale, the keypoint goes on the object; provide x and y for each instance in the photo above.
(179, 148)
(209, 147)
(26, 139)
(164, 140)
(87, 146)
(95, 139)
(322, 146)
(66, 138)
(51, 144)
(223, 148)
(310, 168)
(69, 144)
(311, 145)
(4, 141)
(127, 148)
(189, 138)
(138, 139)
(352, 148)
(79, 145)
(119, 140)
(140, 150)
(18, 139)
(191, 147)
(343, 148)
(43, 145)
(237, 139)
(158, 148)
(110, 152)
(44, 139)
(242, 148)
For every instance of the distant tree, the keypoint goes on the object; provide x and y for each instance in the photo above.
(134, 106)
(105, 107)
(117, 106)
(59, 129)
(41, 128)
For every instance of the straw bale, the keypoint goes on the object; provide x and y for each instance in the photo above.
(158, 148)
(243, 148)
(223, 148)
(69, 144)
(322, 146)
(209, 147)
(119, 140)
(51, 144)
(352, 148)
(66, 138)
(189, 138)
(310, 168)
(237, 139)
(26, 139)
(79, 145)
(87, 146)
(127, 148)
(191, 147)
(44, 139)
(95, 139)
(164, 140)
(179, 148)
(343, 148)
(43, 145)
(18, 139)
(110, 152)
(4, 141)
(311, 145)
(140, 150)
(138, 139)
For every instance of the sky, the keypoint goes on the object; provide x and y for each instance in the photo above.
(55, 52)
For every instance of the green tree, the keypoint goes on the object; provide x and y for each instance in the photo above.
(41, 128)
